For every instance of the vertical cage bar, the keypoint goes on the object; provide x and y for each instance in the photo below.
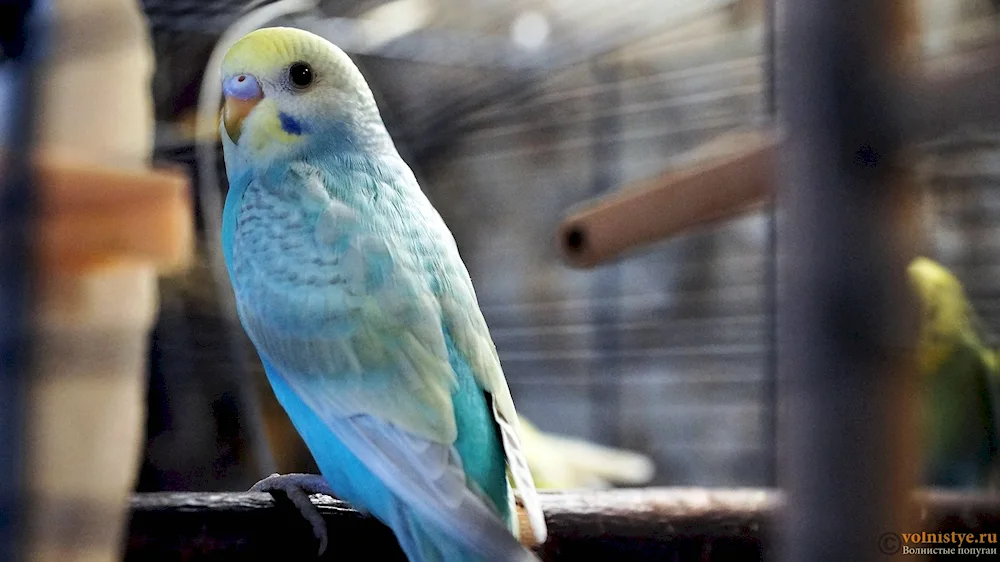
(606, 389)
(845, 318)
(770, 390)
(18, 52)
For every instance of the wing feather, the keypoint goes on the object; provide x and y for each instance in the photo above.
(464, 319)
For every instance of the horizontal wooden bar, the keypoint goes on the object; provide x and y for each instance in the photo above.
(91, 214)
(678, 524)
(675, 201)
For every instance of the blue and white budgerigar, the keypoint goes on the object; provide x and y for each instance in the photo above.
(351, 287)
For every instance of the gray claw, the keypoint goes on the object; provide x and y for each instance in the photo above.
(297, 488)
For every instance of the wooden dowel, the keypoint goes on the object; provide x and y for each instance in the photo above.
(91, 214)
(155, 234)
(73, 185)
(672, 202)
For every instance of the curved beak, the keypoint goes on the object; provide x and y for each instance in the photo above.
(242, 93)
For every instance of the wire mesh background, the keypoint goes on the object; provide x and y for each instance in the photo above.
(665, 351)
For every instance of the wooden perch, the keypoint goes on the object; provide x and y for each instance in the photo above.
(951, 92)
(91, 214)
(621, 525)
(672, 202)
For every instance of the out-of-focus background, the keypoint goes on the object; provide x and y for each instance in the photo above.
(510, 114)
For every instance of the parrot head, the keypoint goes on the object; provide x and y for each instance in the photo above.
(288, 91)
(948, 318)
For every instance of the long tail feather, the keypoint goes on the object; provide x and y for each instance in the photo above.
(521, 475)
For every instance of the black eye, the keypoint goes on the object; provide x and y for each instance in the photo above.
(301, 74)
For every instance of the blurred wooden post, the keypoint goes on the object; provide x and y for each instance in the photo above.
(846, 321)
(107, 225)
(104, 235)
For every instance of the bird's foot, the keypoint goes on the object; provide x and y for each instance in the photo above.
(298, 488)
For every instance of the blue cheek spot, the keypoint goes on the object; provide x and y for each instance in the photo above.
(289, 124)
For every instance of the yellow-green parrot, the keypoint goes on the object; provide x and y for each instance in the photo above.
(960, 381)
